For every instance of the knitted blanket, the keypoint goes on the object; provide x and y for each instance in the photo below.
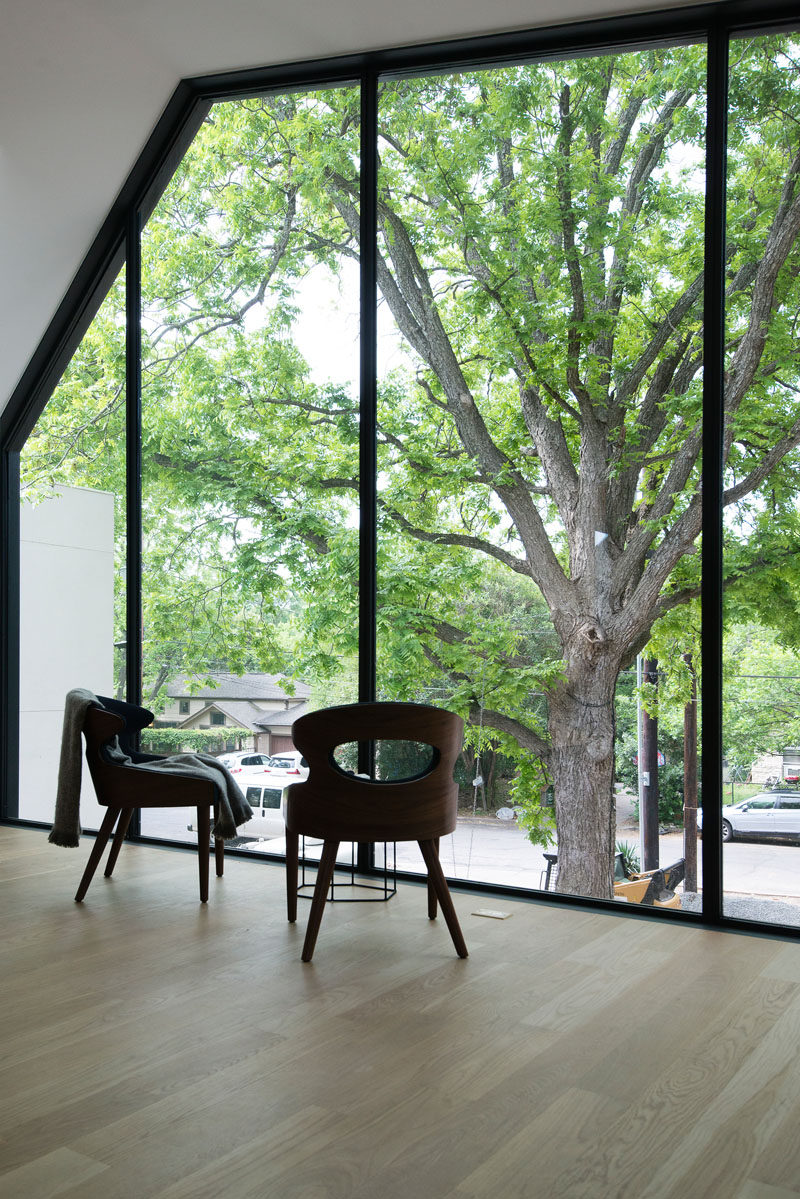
(66, 824)
(232, 807)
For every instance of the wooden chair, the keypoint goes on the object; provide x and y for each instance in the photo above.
(335, 806)
(122, 788)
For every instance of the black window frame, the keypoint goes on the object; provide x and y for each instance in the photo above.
(118, 243)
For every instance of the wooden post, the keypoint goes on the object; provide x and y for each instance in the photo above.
(648, 809)
(690, 783)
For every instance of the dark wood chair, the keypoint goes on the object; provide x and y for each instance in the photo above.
(120, 789)
(336, 806)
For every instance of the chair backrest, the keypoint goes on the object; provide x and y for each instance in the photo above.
(336, 805)
(134, 718)
(98, 728)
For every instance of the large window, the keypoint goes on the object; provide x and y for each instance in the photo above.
(250, 421)
(762, 419)
(72, 554)
(421, 361)
(541, 268)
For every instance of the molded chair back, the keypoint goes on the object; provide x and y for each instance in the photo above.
(422, 807)
(336, 806)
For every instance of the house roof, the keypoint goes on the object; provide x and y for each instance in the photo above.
(281, 718)
(239, 711)
(246, 687)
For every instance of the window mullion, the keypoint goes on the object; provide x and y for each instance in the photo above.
(713, 410)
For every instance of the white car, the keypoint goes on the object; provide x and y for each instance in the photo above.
(245, 763)
(268, 819)
(290, 767)
(766, 816)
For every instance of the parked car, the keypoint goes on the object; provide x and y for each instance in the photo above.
(267, 820)
(766, 816)
(245, 762)
(291, 764)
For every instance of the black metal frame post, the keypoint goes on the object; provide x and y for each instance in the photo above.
(133, 470)
(713, 428)
(133, 458)
(368, 455)
(368, 427)
(9, 633)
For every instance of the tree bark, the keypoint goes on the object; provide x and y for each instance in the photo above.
(581, 723)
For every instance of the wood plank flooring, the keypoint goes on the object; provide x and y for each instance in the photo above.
(151, 1046)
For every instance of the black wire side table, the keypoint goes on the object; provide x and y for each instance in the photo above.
(386, 889)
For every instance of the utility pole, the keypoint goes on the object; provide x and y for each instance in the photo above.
(690, 783)
(648, 807)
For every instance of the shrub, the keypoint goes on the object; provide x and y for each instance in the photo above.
(193, 741)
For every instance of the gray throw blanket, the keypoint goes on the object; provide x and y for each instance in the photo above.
(66, 825)
(232, 808)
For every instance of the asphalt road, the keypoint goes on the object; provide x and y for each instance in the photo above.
(485, 849)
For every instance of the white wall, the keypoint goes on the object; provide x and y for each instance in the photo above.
(66, 633)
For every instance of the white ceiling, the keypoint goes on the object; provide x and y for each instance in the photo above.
(83, 82)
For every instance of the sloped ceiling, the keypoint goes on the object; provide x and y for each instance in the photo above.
(83, 82)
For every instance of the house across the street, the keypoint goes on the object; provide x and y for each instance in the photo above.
(259, 703)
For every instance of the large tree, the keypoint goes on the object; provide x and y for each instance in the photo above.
(540, 266)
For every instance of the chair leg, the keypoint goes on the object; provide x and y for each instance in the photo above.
(119, 837)
(219, 847)
(203, 847)
(292, 840)
(324, 876)
(100, 842)
(436, 876)
(432, 907)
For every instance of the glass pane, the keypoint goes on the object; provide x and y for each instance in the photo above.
(250, 433)
(761, 729)
(540, 268)
(72, 555)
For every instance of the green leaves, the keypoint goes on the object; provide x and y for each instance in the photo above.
(540, 260)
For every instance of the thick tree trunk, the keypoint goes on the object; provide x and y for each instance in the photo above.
(582, 761)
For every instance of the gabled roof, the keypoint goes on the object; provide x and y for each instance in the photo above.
(233, 686)
(238, 711)
(281, 719)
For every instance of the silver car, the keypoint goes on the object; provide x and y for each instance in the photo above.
(766, 816)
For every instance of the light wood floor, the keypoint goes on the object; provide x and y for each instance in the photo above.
(152, 1046)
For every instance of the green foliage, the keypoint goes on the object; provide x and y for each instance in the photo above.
(630, 858)
(529, 795)
(670, 743)
(761, 694)
(173, 741)
(540, 259)
(670, 794)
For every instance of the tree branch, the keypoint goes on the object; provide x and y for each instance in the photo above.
(767, 464)
(525, 736)
(518, 565)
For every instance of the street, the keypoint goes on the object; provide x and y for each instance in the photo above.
(485, 849)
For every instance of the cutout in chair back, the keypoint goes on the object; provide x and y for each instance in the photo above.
(396, 761)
